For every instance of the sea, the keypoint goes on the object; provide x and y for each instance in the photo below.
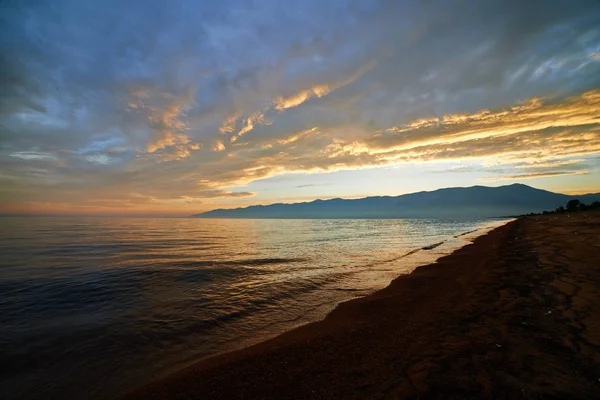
(93, 307)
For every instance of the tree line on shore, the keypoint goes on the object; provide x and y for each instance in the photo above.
(572, 206)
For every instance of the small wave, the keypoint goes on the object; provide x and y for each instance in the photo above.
(465, 233)
(433, 246)
(397, 258)
(246, 262)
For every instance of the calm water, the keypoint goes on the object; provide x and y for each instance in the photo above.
(92, 307)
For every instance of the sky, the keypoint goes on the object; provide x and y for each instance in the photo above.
(177, 107)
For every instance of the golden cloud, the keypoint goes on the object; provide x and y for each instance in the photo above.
(539, 133)
(228, 125)
(281, 103)
(218, 145)
(164, 114)
(209, 194)
(533, 116)
(251, 121)
(530, 132)
(297, 136)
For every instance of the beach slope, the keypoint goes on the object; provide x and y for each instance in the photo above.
(514, 315)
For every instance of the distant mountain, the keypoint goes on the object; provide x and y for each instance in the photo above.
(452, 203)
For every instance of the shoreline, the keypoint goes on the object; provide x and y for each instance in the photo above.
(392, 342)
(415, 258)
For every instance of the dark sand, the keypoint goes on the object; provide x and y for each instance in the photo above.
(514, 315)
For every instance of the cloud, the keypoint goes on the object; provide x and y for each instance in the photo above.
(550, 163)
(321, 90)
(228, 125)
(313, 185)
(165, 117)
(218, 145)
(251, 121)
(532, 176)
(534, 131)
(96, 98)
(540, 132)
(223, 193)
(300, 135)
(32, 155)
(300, 97)
(454, 129)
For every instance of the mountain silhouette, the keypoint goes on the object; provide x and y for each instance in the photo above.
(449, 203)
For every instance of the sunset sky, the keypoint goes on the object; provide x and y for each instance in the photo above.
(176, 107)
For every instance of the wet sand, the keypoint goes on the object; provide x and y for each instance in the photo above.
(514, 315)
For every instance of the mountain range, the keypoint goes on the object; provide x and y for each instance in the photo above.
(448, 203)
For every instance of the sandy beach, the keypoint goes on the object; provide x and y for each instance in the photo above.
(516, 314)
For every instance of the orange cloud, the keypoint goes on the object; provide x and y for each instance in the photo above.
(542, 131)
(532, 116)
(165, 116)
(218, 145)
(539, 134)
(298, 136)
(216, 193)
(281, 103)
(228, 125)
(251, 121)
